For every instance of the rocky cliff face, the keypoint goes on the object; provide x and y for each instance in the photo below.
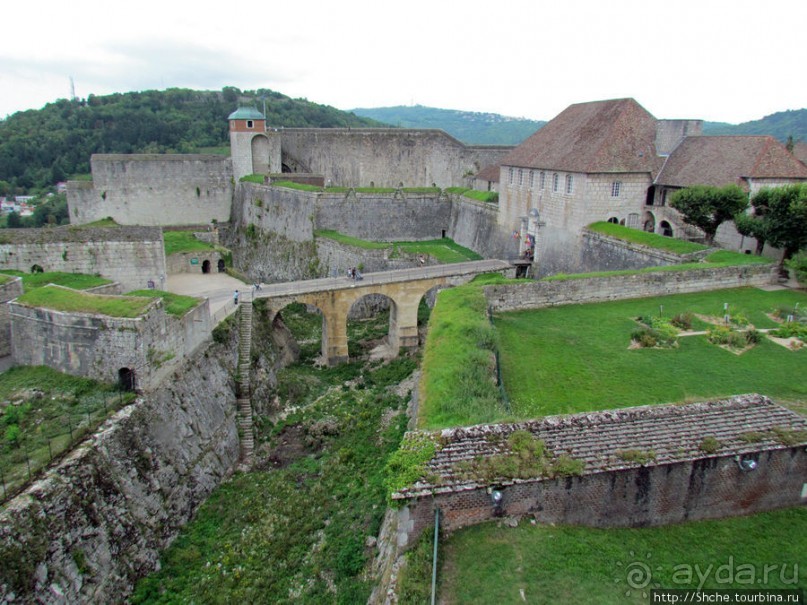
(97, 522)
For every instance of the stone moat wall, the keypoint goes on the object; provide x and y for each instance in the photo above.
(97, 522)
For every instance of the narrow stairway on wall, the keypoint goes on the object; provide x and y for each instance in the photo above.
(243, 385)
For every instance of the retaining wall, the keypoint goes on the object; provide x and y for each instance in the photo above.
(97, 522)
(708, 488)
(99, 346)
(129, 255)
(533, 295)
(8, 291)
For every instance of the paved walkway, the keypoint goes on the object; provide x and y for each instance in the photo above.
(218, 287)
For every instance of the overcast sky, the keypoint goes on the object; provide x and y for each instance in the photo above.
(719, 60)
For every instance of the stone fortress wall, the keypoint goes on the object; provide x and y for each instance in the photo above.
(385, 157)
(129, 255)
(98, 346)
(8, 291)
(154, 189)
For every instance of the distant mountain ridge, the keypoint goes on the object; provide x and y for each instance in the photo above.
(475, 128)
(783, 124)
(472, 128)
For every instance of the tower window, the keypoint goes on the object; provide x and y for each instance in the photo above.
(250, 124)
(615, 187)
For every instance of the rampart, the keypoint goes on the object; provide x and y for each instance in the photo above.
(129, 255)
(9, 290)
(680, 479)
(547, 293)
(154, 189)
(385, 157)
(605, 253)
(97, 522)
(99, 346)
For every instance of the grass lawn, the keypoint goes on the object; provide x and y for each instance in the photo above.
(49, 411)
(558, 564)
(183, 241)
(71, 301)
(652, 240)
(576, 358)
(77, 281)
(175, 304)
(444, 250)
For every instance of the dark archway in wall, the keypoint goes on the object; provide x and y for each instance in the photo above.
(614, 220)
(126, 379)
(220, 265)
(665, 229)
(37, 269)
(206, 266)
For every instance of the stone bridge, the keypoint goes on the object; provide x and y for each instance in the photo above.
(404, 287)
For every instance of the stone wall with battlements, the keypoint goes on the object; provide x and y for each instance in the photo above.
(154, 189)
(129, 255)
(98, 346)
(534, 295)
(380, 157)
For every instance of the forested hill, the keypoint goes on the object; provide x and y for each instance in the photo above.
(783, 124)
(39, 148)
(472, 128)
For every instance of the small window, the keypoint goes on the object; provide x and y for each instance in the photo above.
(542, 180)
(555, 181)
(511, 176)
(532, 179)
(616, 186)
(250, 124)
(520, 177)
(569, 183)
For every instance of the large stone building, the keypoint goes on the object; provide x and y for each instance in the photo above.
(613, 161)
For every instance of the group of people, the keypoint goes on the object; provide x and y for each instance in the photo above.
(353, 273)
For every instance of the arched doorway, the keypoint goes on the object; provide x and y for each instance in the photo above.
(126, 379)
(665, 229)
(220, 265)
(206, 266)
(649, 222)
(613, 220)
(37, 269)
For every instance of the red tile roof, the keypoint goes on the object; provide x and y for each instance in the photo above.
(489, 173)
(723, 160)
(602, 136)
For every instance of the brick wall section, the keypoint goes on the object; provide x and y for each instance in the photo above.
(681, 483)
(98, 346)
(129, 255)
(8, 291)
(514, 297)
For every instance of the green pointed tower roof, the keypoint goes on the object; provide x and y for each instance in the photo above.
(246, 113)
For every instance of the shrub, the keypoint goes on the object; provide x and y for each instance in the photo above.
(683, 321)
(639, 456)
(798, 264)
(709, 445)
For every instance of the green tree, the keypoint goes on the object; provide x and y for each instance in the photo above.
(708, 207)
(13, 221)
(781, 214)
(751, 226)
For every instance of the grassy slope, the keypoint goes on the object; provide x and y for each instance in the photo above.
(77, 302)
(183, 241)
(77, 281)
(653, 240)
(443, 250)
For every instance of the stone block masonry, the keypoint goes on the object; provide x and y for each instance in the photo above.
(535, 295)
(129, 255)
(98, 346)
(8, 291)
(154, 189)
(96, 523)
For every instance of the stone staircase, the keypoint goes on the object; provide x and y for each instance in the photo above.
(243, 387)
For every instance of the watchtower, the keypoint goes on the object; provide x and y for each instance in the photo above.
(253, 148)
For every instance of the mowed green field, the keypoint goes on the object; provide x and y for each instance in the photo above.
(577, 358)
